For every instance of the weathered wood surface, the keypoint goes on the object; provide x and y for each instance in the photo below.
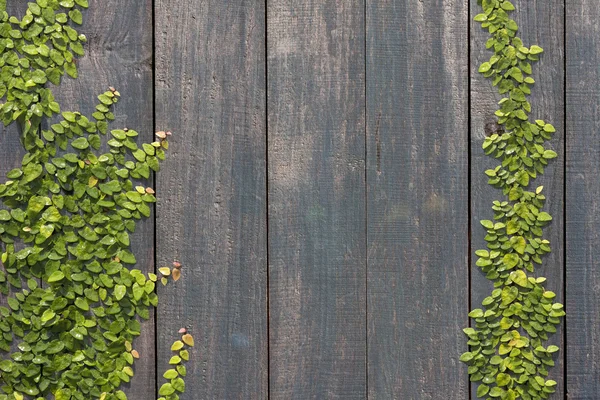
(540, 22)
(417, 131)
(119, 54)
(583, 199)
(316, 199)
(362, 111)
(211, 216)
(11, 150)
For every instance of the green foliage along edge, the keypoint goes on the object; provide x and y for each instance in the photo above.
(74, 299)
(507, 356)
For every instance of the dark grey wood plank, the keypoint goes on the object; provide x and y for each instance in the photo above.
(11, 149)
(417, 129)
(540, 22)
(316, 199)
(119, 54)
(210, 71)
(583, 199)
(11, 154)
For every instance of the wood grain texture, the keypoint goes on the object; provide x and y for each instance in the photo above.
(11, 154)
(119, 54)
(316, 199)
(417, 129)
(211, 86)
(541, 23)
(11, 150)
(583, 199)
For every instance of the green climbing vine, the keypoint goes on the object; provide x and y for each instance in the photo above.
(74, 299)
(507, 354)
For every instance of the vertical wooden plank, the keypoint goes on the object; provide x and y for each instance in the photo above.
(211, 87)
(119, 54)
(541, 23)
(11, 150)
(417, 113)
(11, 155)
(583, 199)
(316, 199)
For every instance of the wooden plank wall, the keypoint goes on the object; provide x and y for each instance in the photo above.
(316, 199)
(211, 92)
(418, 205)
(325, 183)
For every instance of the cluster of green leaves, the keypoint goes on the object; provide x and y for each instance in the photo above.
(507, 355)
(71, 213)
(74, 299)
(176, 374)
(36, 49)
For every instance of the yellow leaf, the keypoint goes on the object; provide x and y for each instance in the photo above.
(178, 345)
(176, 274)
(188, 339)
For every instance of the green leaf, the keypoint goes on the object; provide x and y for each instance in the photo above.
(166, 389)
(552, 349)
(520, 278)
(120, 291)
(477, 313)
(80, 144)
(170, 374)
(482, 390)
(487, 224)
(46, 230)
(178, 345)
(507, 5)
(56, 277)
(4, 215)
(178, 385)
(544, 217)
(519, 244)
(48, 315)
(503, 379)
(509, 294)
(76, 16)
(82, 303)
(485, 67)
(512, 227)
(535, 49)
(510, 260)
